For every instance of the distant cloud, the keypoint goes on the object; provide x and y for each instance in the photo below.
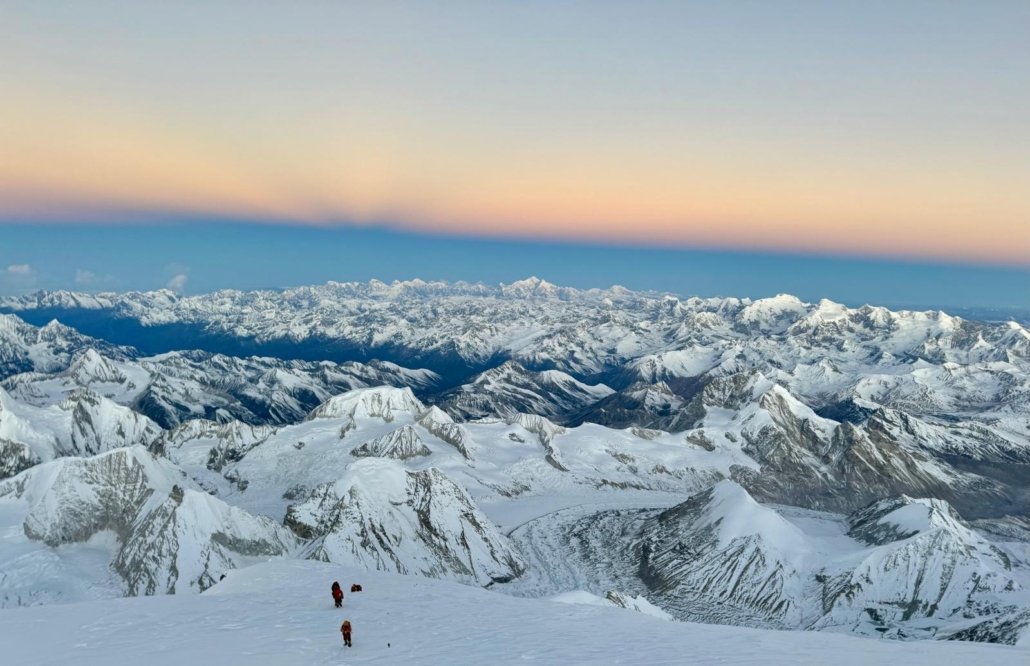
(18, 278)
(178, 283)
(85, 277)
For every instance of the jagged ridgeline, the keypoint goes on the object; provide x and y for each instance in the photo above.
(768, 463)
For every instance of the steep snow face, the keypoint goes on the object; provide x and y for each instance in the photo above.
(899, 518)
(91, 367)
(722, 547)
(510, 389)
(153, 529)
(927, 568)
(174, 387)
(378, 403)
(381, 516)
(187, 542)
(83, 424)
(47, 349)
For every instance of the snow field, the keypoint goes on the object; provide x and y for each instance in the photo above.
(281, 613)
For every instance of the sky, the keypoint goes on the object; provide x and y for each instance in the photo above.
(206, 256)
(807, 138)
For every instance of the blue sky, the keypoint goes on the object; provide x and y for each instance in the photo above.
(207, 255)
(867, 150)
(874, 127)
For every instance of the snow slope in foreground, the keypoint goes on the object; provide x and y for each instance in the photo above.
(281, 613)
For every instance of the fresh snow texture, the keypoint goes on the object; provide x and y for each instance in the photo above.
(281, 613)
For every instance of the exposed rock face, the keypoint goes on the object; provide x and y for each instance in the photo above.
(98, 425)
(926, 562)
(170, 537)
(83, 424)
(721, 547)
(15, 457)
(225, 442)
(912, 568)
(545, 432)
(190, 539)
(401, 444)
(807, 460)
(381, 516)
(437, 422)
(378, 402)
(511, 389)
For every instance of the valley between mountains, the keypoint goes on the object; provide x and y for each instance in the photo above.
(769, 464)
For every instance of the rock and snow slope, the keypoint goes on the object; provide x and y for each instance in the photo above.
(612, 403)
(172, 388)
(158, 533)
(937, 406)
(83, 424)
(381, 516)
(900, 568)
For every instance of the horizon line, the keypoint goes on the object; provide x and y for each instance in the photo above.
(403, 228)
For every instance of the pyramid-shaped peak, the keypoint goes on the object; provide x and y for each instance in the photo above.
(91, 367)
(729, 509)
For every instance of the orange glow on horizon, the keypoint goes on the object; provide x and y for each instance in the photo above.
(335, 136)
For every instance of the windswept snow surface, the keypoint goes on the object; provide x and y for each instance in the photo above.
(281, 614)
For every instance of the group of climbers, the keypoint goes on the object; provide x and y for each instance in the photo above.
(345, 628)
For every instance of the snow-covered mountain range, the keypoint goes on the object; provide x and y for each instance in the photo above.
(767, 463)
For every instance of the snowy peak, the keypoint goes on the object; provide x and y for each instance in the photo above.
(190, 540)
(381, 516)
(169, 537)
(441, 426)
(378, 402)
(98, 424)
(510, 389)
(925, 563)
(52, 348)
(532, 288)
(721, 546)
(772, 315)
(730, 513)
(72, 499)
(900, 518)
(91, 367)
